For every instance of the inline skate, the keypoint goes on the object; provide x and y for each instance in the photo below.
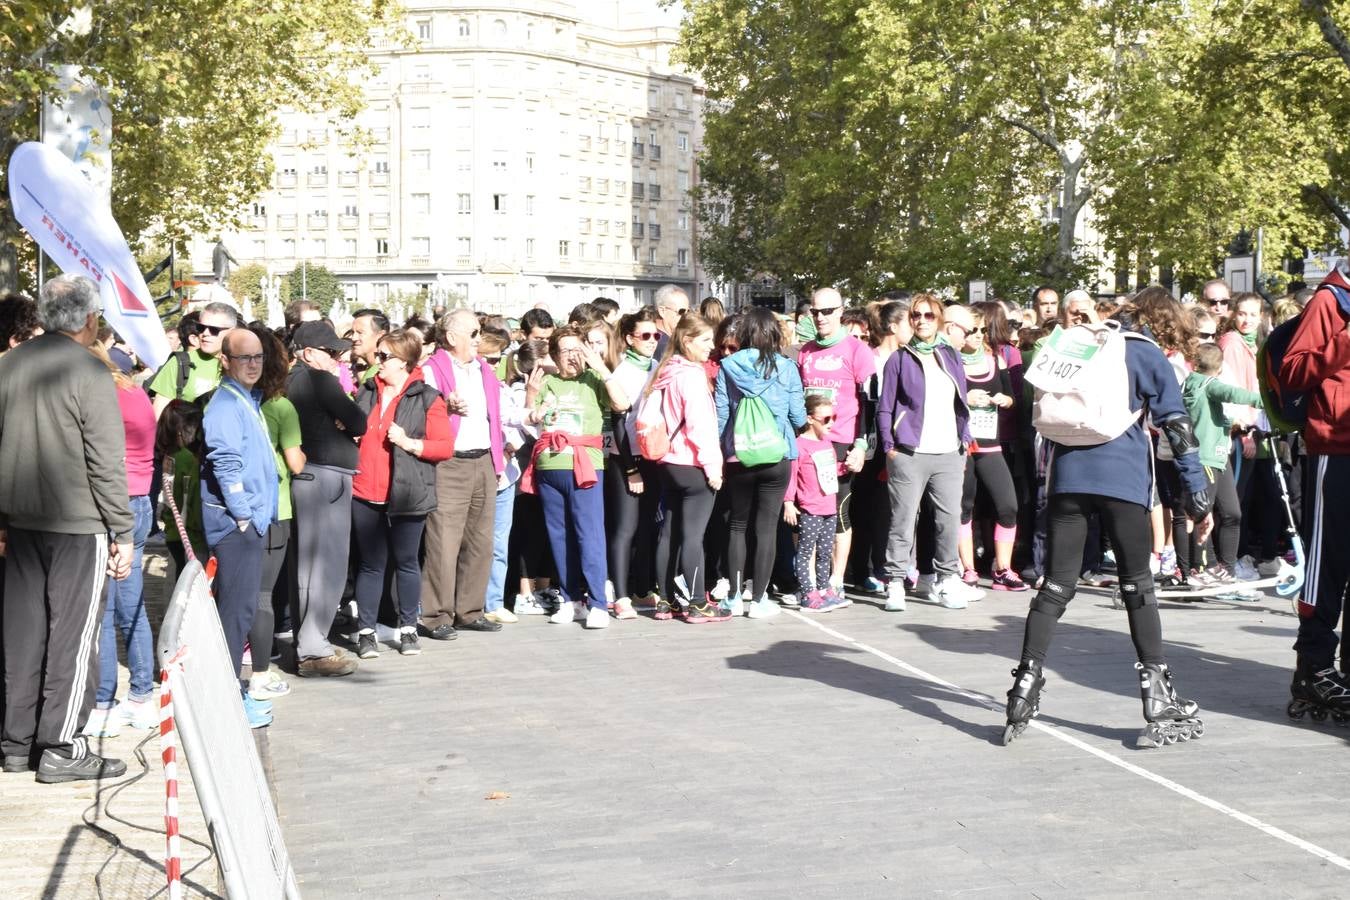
(1319, 694)
(1170, 718)
(1024, 698)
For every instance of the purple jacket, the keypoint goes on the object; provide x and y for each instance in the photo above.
(441, 364)
(900, 411)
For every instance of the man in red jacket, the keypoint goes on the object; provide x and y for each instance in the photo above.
(1318, 362)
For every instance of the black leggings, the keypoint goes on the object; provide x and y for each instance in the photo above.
(756, 494)
(1262, 515)
(1128, 526)
(990, 470)
(689, 503)
(378, 535)
(1173, 499)
(1227, 515)
(628, 518)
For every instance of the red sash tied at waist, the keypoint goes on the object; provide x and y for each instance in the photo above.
(557, 441)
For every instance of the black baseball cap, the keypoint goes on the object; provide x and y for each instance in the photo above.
(321, 335)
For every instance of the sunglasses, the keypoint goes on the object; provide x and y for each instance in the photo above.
(824, 420)
(821, 312)
(493, 360)
(248, 359)
(383, 356)
(645, 335)
(213, 330)
(917, 316)
(980, 330)
(473, 334)
(678, 312)
(1221, 302)
(1207, 335)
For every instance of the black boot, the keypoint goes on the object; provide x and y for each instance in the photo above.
(1024, 698)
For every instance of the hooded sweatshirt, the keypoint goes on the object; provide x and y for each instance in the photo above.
(741, 376)
(1318, 361)
(688, 407)
(1206, 397)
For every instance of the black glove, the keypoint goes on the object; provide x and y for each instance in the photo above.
(1198, 504)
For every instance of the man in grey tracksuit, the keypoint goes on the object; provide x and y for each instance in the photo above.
(63, 493)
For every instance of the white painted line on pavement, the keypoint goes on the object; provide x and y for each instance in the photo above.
(1072, 741)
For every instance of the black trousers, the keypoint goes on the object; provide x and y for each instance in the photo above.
(1260, 495)
(53, 607)
(689, 504)
(1326, 522)
(239, 565)
(630, 520)
(756, 496)
(1128, 526)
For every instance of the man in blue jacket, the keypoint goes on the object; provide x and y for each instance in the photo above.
(239, 496)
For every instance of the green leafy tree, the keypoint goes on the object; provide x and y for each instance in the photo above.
(314, 283)
(194, 87)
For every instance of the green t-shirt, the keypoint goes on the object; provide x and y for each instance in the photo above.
(203, 376)
(283, 426)
(580, 406)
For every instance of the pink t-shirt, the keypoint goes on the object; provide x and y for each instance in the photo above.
(836, 371)
(138, 420)
(814, 482)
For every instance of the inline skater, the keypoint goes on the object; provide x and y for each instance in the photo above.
(1095, 384)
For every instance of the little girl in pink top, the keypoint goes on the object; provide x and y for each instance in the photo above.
(812, 503)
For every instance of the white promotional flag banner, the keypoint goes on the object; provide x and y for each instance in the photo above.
(64, 213)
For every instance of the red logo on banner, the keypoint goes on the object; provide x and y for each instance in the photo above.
(130, 303)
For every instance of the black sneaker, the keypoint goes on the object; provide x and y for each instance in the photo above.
(366, 646)
(54, 768)
(1174, 582)
(408, 645)
(705, 612)
(17, 763)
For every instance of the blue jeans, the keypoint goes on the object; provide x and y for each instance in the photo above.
(575, 518)
(501, 543)
(124, 613)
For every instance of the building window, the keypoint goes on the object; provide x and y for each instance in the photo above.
(382, 246)
(318, 247)
(635, 253)
(349, 291)
(288, 248)
(653, 97)
(682, 181)
(381, 291)
(682, 222)
(682, 141)
(584, 184)
(463, 247)
(498, 28)
(421, 246)
(602, 226)
(564, 249)
(349, 247)
(620, 227)
(463, 27)
(464, 160)
(465, 203)
(651, 256)
(529, 248)
(602, 185)
(499, 247)
(581, 250)
(618, 253)
(681, 101)
(620, 188)
(349, 209)
(499, 203)
(421, 204)
(529, 204)
(420, 160)
(529, 162)
(499, 164)
(584, 226)
(424, 29)
(462, 289)
(682, 258)
(260, 249)
(419, 117)
(381, 165)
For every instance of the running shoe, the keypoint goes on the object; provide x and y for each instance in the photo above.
(721, 590)
(840, 597)
(789, 601)
(819, 602)
(366, 646)
(763, 608)
(663, 610)
(529, 605)
(623, 609)
(408, 644)
(549, 598)
(1269, 568)
(597, 617)
(1174, 582)
(502, 616)
(970, 577)
(142, 715)
(1245, 569)
(895, 596)
(699, 614)
(1200, 578)
(953, 593)
(733, 606)
(1167, 564)
(568, 612)
(874, 585)
(1007, 580)
(259, 712)
(1220, 575)
(103, 723)
(267, 686)
(1096, 579)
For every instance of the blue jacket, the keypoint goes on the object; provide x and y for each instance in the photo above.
(900, 409)
(740, 376)
(1122, 468)
(239, 474)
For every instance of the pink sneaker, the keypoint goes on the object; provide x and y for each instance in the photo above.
(970, 576)
(1007, 580)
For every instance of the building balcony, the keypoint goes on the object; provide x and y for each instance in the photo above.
(654, 151)
(317, 136)
(349, 222)
(287, 138)
(420, 261)
(654, 232)
(257, 223)
(317, 222)
(379, 179)
(421, 87)
(380, 135)
(639, 150)
(286, 180)
(287, 221)
(379, 220)
(317, 179)
(348, 179)
(602, 145)
(637, 229)
(654, 192)
(654, 269)
(639, 191)
(345, 264)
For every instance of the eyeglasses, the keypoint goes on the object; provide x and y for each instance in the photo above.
(824, 420)
(1221, 301)
(645, 335)
(1207, 335)
(730, 348)
(928, 316)
(329, 350)
(214, 330)
(383, 356)
(248, 359)
(493, 360)
(473, 334)
(980, 330)
(822, 311)
(678, 312)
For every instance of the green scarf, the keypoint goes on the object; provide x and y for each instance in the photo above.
(1250, 340)
(926, 348)
(832, 340)
(806, 329)
(971, 359)
(642, 362)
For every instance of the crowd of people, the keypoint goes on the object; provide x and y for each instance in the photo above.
(368, 485)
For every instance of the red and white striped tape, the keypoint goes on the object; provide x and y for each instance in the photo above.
(168, 742)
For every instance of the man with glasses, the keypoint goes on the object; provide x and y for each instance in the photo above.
(368, 326)
(239, 496)
(458, 537)
(838, 365)
(671, 305)
(194, 372)
(1217, 297)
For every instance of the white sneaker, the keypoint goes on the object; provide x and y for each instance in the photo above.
(721, 590)
(502, 616)
(567, 613)
(527, 605)
(1269, 568)
(142, 715)
(895, 595)
(735, 606)
(609, 593)
(597, 617)
(1245, 570)
(927, 584)
(748, 591)
(102, 723)
(790, 601)
(267, 686)
(953, 593)
(623, 609)
(763, 608)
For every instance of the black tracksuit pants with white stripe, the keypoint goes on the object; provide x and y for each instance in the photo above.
(1326, 528)
(53, 607)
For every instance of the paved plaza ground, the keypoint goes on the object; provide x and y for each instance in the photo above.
(849, 755)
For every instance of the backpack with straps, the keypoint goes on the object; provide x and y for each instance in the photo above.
(653, 433)
(755, 435)
(1286, 408)
(1083, 385)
